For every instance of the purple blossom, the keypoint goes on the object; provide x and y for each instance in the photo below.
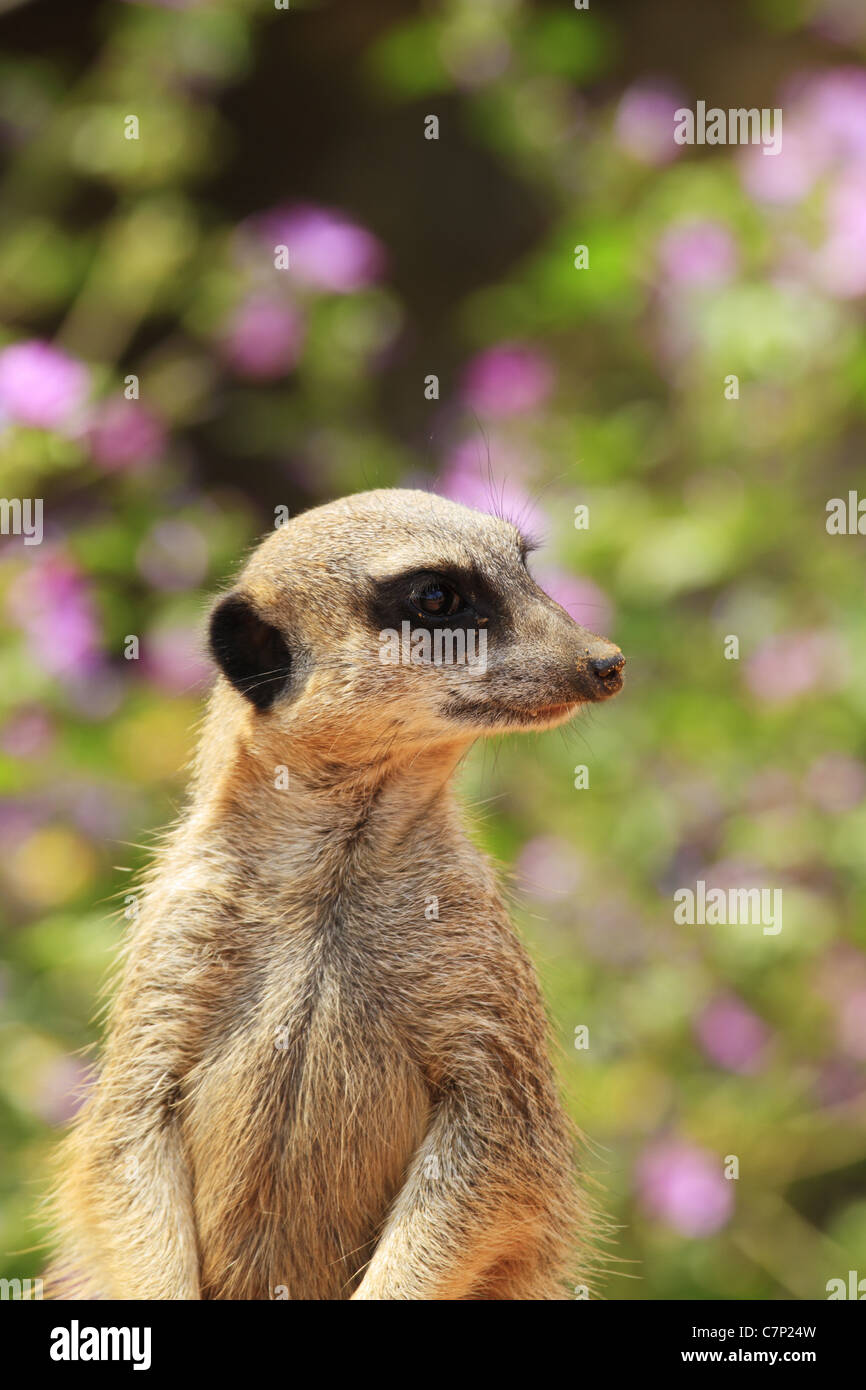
(836, 783)
(509, 379)
(614, 933)
(548, 867)
(327, 251)
(172, 658)
(732, 1035)
(63, 1089)
(839, 1082)
(27, 733)
(645, 122)
(684, 1187)
(840, 263)
(51, 602)
(794, 664)
(580, 598)
(834, 106)
(98, 695)
(842, 968)
(101, 810)
(468, 478)
(851, 1024)
(698, 253)
(825, 130)
(770, 789)
(18, 821)
(263, 339)
(788, 176)
(841, 981)
(125, 435)
(41, 386)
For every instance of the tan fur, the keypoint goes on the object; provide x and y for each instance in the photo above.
(311, 1088)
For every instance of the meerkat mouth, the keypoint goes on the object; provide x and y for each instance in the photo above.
(555, 711)
(490, 713)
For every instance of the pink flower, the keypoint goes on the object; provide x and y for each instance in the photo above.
(841, 980)
(698, 253)
(794, 664)
(788, 176)
(834, 105)
(841, 969)
(53, 606)
(838, 1082)
(836, 783)
(264, 338)
(62, 1090)
(326, 249)
(173, 659)
(27, 733)
(101, 810)
(732, 1035)
(684, 1187)
(509, 379)
(124, 434)
(40, 385)
(468, 478)
(645, 122)
(580, 598)
(824, 130)
(548, 867)
(770, 789)
(840, 263)
(851, 1025)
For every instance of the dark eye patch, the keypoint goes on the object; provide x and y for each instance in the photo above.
(393, 601)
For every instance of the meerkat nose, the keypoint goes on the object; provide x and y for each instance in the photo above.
(605, 661)
(607, 665)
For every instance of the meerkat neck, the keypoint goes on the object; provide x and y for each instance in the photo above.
(294, 801)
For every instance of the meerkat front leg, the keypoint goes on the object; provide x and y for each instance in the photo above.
(124, 1203)
(485, 1212)
(128, 1220)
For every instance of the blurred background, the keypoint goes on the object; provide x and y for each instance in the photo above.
(164, 387)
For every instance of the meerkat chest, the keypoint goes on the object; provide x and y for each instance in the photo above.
(301, 1117)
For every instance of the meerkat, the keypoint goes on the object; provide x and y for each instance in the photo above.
(326, 1072)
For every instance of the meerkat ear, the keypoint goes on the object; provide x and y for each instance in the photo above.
(250, 652)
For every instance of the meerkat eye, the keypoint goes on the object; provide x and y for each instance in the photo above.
(436, 599)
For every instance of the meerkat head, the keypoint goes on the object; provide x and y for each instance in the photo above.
(400, 618)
